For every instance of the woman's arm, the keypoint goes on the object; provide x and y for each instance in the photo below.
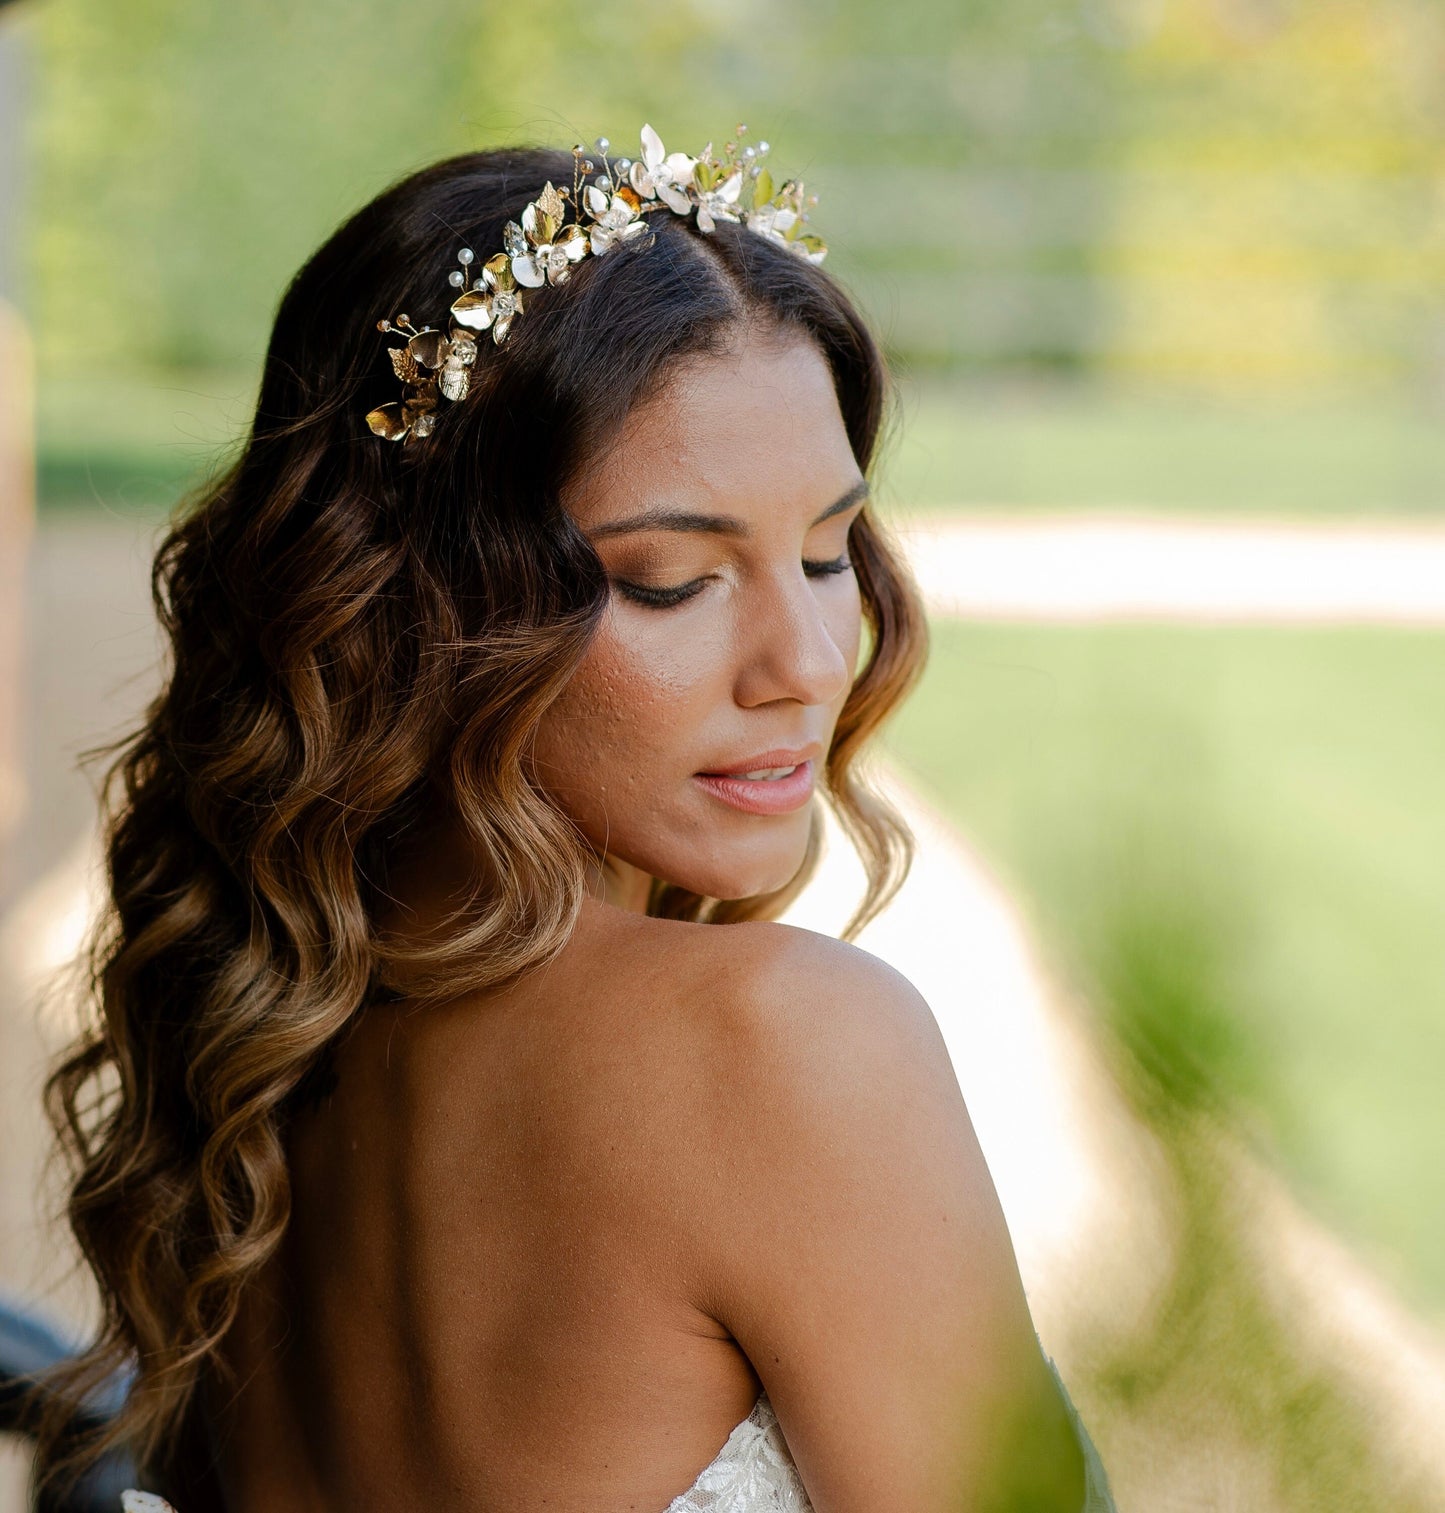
(858, 1252)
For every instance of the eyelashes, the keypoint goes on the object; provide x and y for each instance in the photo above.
(666, 598)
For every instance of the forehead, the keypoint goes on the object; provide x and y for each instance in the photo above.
(755, 428)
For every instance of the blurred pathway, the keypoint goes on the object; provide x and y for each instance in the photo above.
(1064, 568)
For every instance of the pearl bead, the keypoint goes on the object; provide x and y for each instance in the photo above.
(603, 144)
(456, 278)
(762, 147)
(466, 255)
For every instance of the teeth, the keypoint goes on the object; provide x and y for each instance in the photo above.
(769, 772)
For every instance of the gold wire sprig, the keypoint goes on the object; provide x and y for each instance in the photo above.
(541, 247)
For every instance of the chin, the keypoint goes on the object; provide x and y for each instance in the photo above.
(747, 873)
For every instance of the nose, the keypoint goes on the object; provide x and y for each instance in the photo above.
(794, 641)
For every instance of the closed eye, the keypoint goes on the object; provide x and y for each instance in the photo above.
(665, 598)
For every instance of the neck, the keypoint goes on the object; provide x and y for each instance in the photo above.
(613, 881)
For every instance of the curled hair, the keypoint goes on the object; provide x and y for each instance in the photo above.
(359, 632)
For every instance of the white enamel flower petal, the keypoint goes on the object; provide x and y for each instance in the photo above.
(596, 200)
(652, 149)
(601, 238)
(704, 219)
(674, 198)
(679, 166)
(526, 271)
(641, 181)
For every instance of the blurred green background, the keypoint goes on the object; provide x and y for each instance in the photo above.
(1175, 257)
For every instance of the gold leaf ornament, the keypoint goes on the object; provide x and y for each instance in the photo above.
(540, 248)
(388, 422)
(553, 208)
(408, 370)
(428, 348)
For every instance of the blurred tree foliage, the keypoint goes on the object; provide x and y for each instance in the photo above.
(1239, 192)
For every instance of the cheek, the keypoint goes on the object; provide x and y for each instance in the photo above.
(633, 703)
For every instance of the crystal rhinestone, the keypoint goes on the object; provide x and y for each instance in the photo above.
(742, 130)
(466, 255)
(588, 166)
(456, 278)
(603, 144)
(383, 325)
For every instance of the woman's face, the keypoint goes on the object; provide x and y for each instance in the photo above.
(733, 631)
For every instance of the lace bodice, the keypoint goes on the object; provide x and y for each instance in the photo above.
(753, 1472)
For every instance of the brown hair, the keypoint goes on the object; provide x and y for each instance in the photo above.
(357, 630)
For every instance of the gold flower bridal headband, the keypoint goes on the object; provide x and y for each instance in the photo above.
(542, 249)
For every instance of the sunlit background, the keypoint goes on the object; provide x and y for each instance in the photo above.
(1161, 281)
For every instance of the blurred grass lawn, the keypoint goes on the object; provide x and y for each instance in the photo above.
(133, 442)
(1059, 449)
(1286, 785)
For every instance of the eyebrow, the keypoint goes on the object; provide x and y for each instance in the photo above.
(664, 518)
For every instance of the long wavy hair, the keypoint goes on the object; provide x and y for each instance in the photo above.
(358, 632)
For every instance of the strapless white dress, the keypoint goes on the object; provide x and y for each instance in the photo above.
(754, 1470)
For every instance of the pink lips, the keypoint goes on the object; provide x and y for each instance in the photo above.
(761, 795)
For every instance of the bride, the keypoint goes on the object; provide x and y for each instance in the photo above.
(458, 1127)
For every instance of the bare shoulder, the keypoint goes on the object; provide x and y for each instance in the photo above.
(853, 1242)
(815, 1024)
(801, 981)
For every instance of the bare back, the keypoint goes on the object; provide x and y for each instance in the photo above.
(485, 1298)
(535, 1233)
